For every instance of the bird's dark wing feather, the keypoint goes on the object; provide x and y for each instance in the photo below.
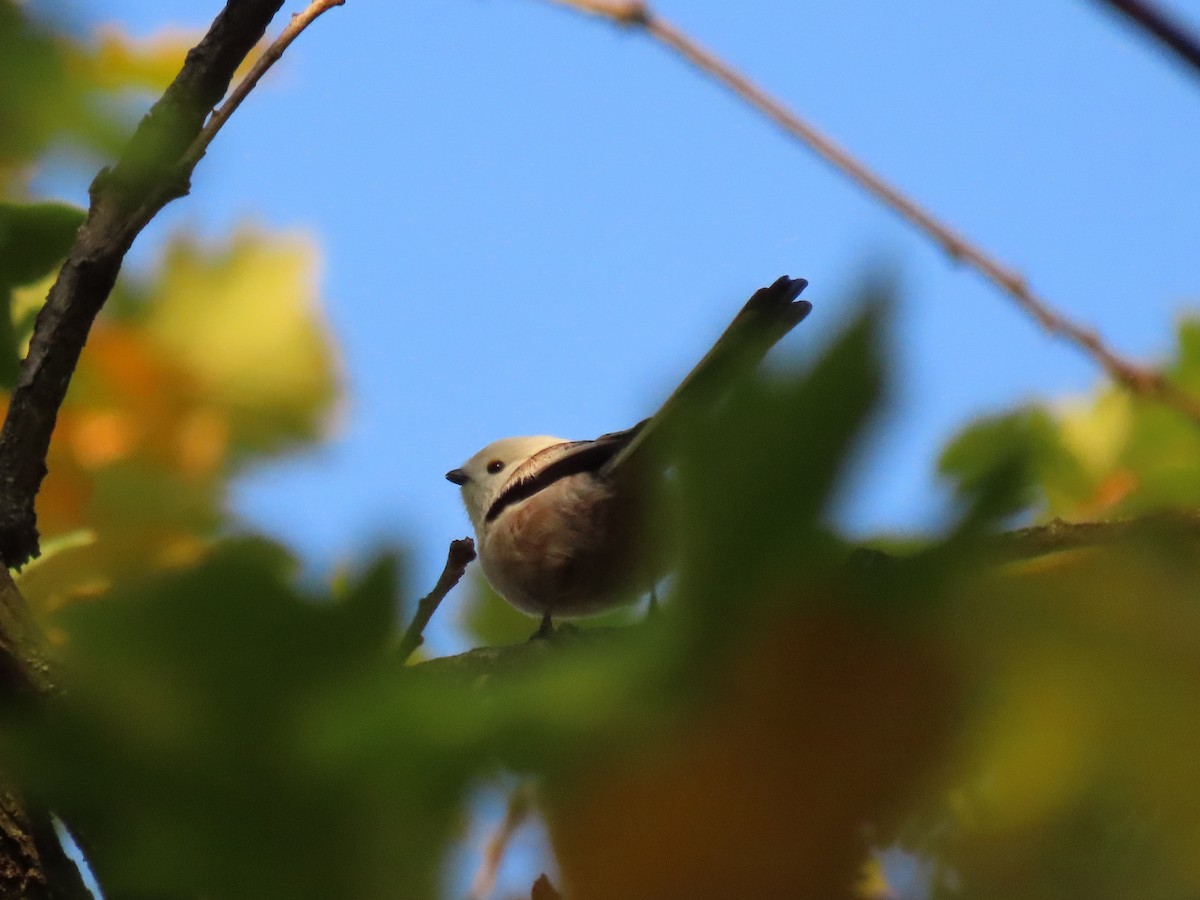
(583, 456)
(767, 316)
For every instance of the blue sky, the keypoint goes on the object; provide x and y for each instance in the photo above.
(532, 222)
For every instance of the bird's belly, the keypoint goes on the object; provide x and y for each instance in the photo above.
(573, 549)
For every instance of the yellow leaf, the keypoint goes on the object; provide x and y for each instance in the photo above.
(118, 61)
(244, 322)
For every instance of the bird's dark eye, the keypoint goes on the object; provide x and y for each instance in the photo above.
(495, 466)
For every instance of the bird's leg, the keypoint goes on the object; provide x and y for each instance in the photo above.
(652, 606)
(545, 630)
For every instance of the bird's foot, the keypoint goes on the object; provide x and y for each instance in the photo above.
(652, 606)
(545, 630)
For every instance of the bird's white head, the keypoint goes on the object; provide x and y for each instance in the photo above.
(484, 475)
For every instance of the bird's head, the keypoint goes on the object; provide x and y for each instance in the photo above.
(484, 475)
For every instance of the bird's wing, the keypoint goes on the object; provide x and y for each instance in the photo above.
(767, 316)
(558, 461)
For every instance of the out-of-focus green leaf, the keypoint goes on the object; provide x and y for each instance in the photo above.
(114, 61)
(799, 746)
(486, 619)
(1185, 368)
(33, 85)
(1109, 456)
(1025, 445)
(34, 237)
(756, 475)
(26, 303)
(1075, 774)
(178, 743)
(369, 601)
(216, 719)
(489, 621)
(219, 358)
(56, 89)
(45, 97)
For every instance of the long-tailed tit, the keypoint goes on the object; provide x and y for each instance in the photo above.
(561, 526)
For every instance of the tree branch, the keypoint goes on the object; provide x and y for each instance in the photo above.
(155, 168)
(481, 664)
(458, 557)
(26, 669)
(516, 811)
(33, 864)
(270, 56)
(1141, 380)
(1162, 27)
(1057, 536)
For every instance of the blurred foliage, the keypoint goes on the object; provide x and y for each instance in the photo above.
(488, 621)
(34, 237)
(60, 92)
(1105, 457)
(1022, 727)
(215, 361)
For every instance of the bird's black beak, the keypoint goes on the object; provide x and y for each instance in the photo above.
(458, 476)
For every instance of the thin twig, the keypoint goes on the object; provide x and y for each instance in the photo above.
(1141, 380)
(1058, 536)
(155, 168)
(1162, 27)
(458, 557)
(544, 890)
(515, 813)
(270, 56)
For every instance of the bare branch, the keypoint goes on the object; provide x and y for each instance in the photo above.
(458, 557)
(1057, 536)
(544, 890)
(26, 665)
(33, 864)
(270, 56)
(155, 168)
(482, 664)
(515, 813)
(1141, 380)
(1162, 27)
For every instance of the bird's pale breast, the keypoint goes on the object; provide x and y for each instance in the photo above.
(572, 549)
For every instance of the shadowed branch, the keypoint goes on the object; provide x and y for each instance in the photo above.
(1165, 29)
(458, 557)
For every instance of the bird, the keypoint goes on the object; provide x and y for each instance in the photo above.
(564, 528)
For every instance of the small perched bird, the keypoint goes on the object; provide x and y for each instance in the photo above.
(561, 526)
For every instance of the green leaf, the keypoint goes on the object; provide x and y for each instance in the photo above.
(1004, 464)
(34, 238)
(756, 476)
(489, 621)
(178, 744)
(244, 321)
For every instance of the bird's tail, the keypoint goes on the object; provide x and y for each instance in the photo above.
(767, 316)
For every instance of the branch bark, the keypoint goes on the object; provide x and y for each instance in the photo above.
(481, 664)
(458, 557)
(1138, 379)
(1162, 27)
(33, 864)
(32, 861)
(516, 812)
(155, 168)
